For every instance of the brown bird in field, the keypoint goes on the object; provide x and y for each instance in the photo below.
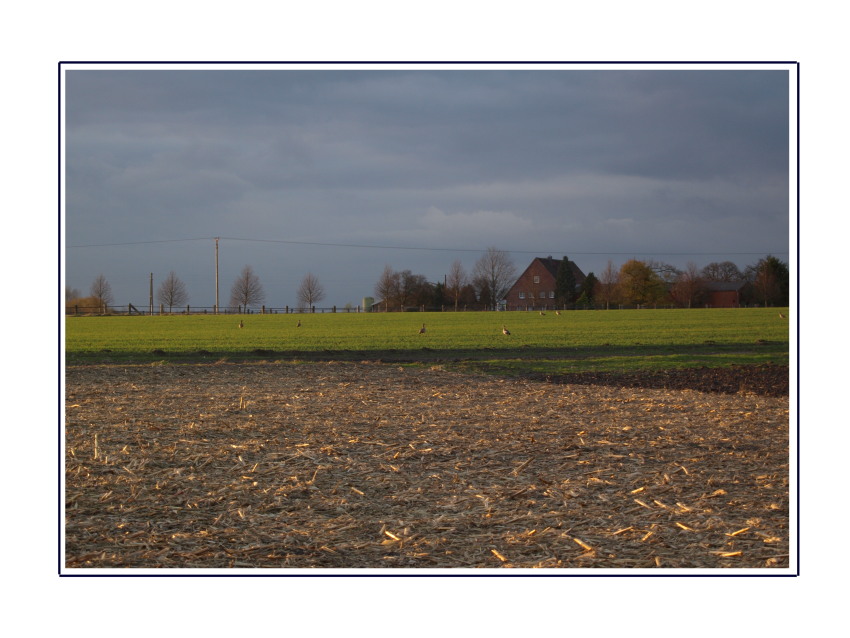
(558, 312)
(505, 330)
(542, 314)
(298, 325)
(782, 316)
(241, 325)
(422, 329)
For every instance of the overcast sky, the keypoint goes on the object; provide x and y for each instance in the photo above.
(424, 166)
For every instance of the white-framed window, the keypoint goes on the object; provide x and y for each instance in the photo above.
(551, 294)
(537, 279)
(522, 295)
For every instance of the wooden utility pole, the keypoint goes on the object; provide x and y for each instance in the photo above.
(150, 308)
(216, 277)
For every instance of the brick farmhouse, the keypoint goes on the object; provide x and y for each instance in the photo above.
(535, 288)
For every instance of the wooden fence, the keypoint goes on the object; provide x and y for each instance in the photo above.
(130, 309)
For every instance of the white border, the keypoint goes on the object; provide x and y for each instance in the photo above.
(790, 67)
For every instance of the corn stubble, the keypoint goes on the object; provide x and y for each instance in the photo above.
(364, 465)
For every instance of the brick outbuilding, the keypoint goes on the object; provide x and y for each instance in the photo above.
(727, 294)
(535, 288)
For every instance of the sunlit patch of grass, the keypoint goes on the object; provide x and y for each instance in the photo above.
(576, 340)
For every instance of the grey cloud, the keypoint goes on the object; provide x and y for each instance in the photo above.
(523, 159)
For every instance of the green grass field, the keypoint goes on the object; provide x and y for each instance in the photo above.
(619, 340)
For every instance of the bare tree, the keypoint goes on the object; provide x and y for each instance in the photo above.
(414, 289)
(310, 292)
(71, 293)
(102, 291)
(496, 269)
(689, 287)
(609, 280)
(247, 290)
(388, 286)
(172, 292)
(722, 271)
(667, 273)
(455, 281)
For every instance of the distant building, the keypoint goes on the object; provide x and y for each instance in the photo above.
(535, 288)
(727, 294)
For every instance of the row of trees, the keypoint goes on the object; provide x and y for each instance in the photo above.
(765, 282)
(491, 278)
(247, 291)
(636, 282)
(100, 295)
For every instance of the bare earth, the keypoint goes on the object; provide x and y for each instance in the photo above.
(369, 465)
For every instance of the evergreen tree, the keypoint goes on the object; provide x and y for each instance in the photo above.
(587, 288)
(439, 298)
(770, 279)
(565, 283)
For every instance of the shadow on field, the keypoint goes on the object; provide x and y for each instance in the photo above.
(764, 380)
(736, 351)
(760, 367)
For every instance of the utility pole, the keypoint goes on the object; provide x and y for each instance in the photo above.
(215, 311)
(150, 309)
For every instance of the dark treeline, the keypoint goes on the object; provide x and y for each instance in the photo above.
(763, 283)
(634, 283)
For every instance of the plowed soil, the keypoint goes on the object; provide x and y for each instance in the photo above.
(766, 380)
(368, 465)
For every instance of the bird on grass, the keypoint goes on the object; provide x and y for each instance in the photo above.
(558, 312)
(542, 314)
(241, 325)
(782, 316)
(298, 325)
(422, 329)
(505, 330)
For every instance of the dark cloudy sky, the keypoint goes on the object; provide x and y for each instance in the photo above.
(425, 166)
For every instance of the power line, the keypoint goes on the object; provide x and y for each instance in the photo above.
(135, 243)
(428, 248)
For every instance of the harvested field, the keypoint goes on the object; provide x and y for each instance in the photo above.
(369, 465)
